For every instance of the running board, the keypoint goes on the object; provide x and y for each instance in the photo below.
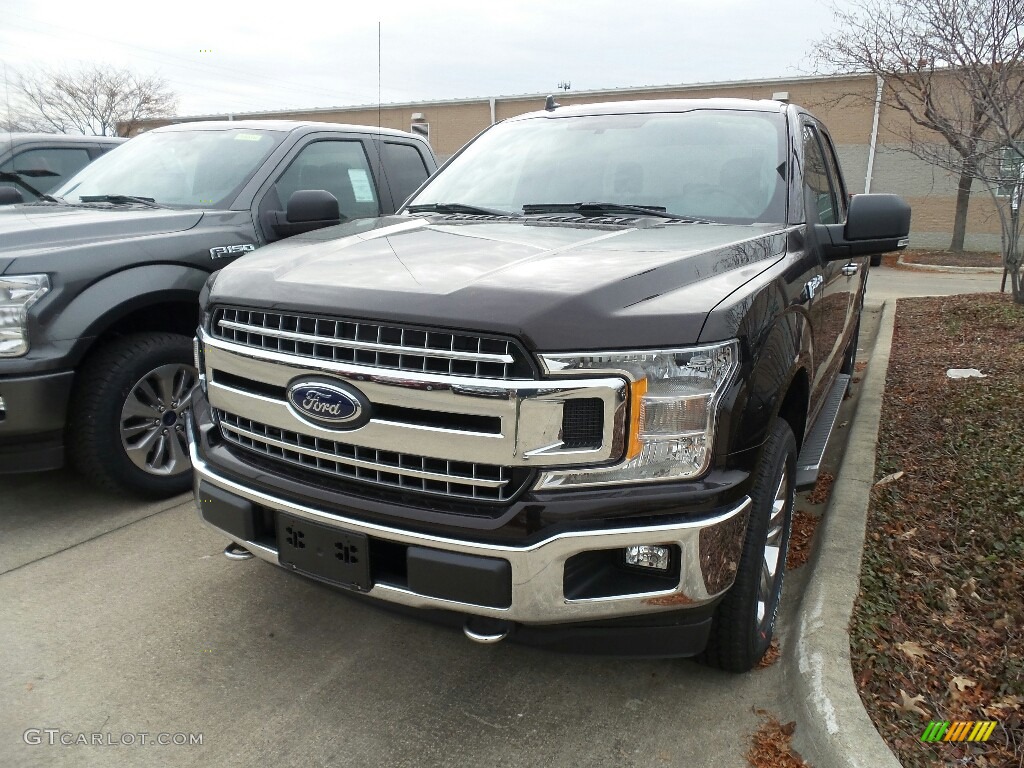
(809, 461)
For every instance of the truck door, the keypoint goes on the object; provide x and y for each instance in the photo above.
(830, 298)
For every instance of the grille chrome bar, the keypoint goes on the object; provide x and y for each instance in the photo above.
(403, 471)
(367, 345)
(353, 462)
(376, 345)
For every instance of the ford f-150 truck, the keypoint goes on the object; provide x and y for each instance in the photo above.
(99, 281)
(567, 393)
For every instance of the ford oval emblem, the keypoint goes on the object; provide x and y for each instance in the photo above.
(329, 403)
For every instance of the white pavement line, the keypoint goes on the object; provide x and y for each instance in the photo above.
(834, 722)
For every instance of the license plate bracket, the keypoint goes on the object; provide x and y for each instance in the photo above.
(323, 552)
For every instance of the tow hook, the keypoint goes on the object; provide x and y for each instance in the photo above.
(481, 629)
(235, 551)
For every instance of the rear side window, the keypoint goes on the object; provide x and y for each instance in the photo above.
(405, 170)
(56, 165)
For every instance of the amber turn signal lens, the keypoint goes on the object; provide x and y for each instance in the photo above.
(637, 390)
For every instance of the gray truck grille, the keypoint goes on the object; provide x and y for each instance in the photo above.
(408, 472)
(373, 344)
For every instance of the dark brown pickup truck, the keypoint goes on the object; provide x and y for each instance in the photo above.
(567, 393)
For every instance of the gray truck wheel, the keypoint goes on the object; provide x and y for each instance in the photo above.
(126, 429)
(744, 620)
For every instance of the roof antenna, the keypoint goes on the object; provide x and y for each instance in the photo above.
(550, 104)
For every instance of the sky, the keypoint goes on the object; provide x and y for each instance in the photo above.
(227, 57)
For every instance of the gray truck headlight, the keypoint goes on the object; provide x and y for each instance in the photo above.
(17, 294)
(674, 399)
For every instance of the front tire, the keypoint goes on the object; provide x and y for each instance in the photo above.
(744, 620)
(127, 422)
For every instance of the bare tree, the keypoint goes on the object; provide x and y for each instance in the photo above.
(93, 99)
(951, 66)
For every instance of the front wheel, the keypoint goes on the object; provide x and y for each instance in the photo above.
(127, 425)
(744, 620)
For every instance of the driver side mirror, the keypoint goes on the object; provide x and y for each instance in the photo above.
(308, 209)
(875, 224)
(10, 195)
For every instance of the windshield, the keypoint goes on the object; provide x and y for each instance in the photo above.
(197, 169)
(721, 165)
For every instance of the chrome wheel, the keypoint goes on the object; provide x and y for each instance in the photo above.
(153, 420)
(771, 559)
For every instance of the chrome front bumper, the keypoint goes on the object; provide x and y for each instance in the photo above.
(710, 550)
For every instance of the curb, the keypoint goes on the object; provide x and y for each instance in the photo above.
(835, 724)
(955, 270)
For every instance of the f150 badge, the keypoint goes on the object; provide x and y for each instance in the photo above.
(220, 251)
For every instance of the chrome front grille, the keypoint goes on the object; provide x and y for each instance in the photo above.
(403, 471)
(373, 344)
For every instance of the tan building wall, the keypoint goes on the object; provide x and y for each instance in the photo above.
(845, 104)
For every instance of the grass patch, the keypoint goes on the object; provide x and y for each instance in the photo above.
(938, 629)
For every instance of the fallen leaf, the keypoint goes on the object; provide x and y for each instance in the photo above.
(910, 704)
(908, 534)
(935, 560)
(960, 683)
(890, 478)
(913, 650)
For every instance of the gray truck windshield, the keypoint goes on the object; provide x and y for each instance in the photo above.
(718, 165)
(197, 168)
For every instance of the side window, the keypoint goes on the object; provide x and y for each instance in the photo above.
(405, 170)
(821, 201)
(59, 165)
(341, 168)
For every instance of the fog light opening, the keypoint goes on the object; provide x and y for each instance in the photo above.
(649, 556)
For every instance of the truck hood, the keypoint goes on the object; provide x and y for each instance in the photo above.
(558, 285)
(29, 229)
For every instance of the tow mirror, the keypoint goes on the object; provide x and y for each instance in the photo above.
(308, 209)
(10, 195)
(875, 224)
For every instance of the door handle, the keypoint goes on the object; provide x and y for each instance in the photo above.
(849, 269)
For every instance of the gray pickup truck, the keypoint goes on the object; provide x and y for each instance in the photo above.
(567, 393)
(99, 281)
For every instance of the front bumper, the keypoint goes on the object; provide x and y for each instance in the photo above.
(708, 551)
(32, 415)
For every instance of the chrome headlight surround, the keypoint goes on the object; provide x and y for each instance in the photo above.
(17, 294)
(674, 400)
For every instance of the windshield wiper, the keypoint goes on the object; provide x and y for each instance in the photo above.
(455, 208)
(119, 199)
(599, 209)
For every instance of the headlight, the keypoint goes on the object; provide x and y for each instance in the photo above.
(17, 294)
(674, 398)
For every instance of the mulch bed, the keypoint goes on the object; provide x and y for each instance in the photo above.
(938, 630)
(949, 259)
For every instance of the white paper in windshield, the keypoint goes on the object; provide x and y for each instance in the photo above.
(360, 185)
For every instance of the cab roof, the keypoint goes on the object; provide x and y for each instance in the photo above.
(283, 126)
(652, 106)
